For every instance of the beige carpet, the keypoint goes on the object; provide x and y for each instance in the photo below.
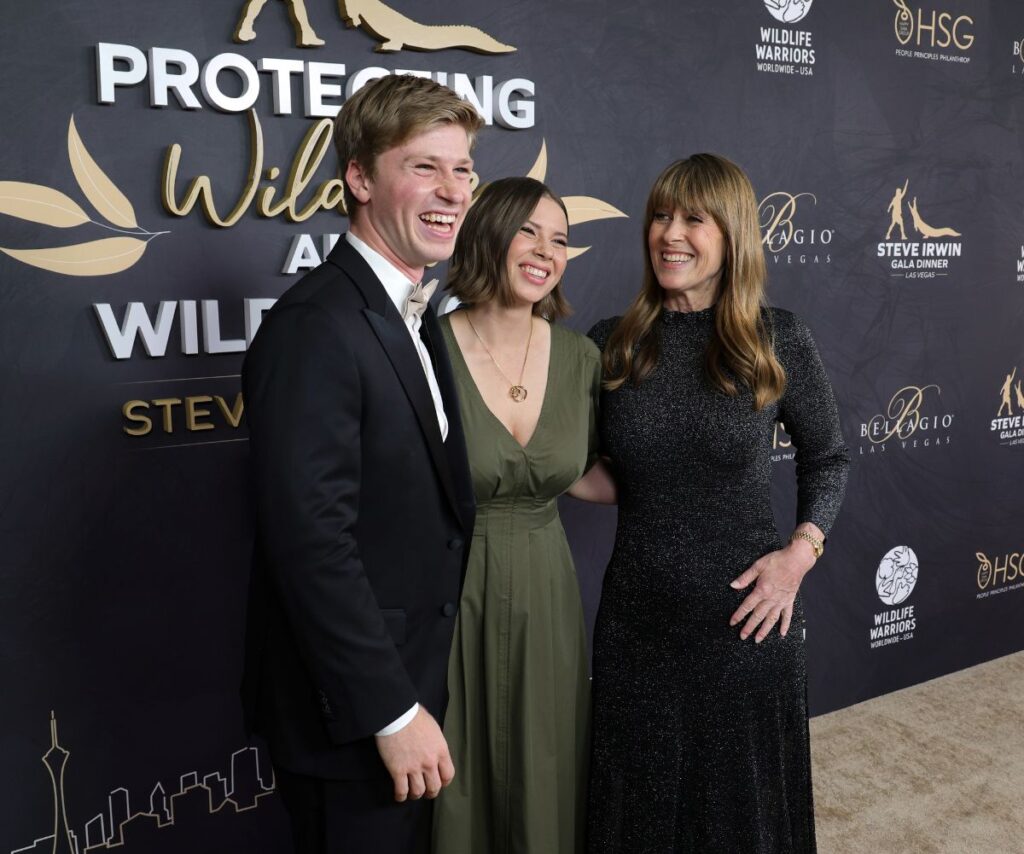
(934, 769)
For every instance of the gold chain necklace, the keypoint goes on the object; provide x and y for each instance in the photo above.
(517, 391)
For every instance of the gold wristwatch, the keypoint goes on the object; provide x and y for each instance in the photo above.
(816, 544)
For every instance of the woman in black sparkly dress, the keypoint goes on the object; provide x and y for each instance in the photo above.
(700, 718)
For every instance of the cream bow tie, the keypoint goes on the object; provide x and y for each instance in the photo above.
(418, 299)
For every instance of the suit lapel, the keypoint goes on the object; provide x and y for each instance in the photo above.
(392, 333)
(455, 445)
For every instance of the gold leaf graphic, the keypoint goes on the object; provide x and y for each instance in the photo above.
(540, 168)
(98, 188)
(40, 204)
(96, 258)
(587, 209)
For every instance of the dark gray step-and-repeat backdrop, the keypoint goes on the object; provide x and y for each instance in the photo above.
(166, 173)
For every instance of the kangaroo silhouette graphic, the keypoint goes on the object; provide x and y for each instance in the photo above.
(395, 31)
(926, 230)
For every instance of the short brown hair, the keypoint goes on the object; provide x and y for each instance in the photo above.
(478, 271)
(387, 112)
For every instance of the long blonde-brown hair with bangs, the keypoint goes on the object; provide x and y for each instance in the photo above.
(740, 351)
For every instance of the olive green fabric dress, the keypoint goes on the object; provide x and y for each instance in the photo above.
(518, 711)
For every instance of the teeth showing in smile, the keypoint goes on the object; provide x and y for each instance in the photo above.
(536, 272)
(439, 219)
(675, 257)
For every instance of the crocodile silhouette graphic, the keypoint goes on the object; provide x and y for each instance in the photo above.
(392, 30)
(395, 31)
(926, 230)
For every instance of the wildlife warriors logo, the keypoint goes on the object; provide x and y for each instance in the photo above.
(782, 50)
(925, 255)
(788, 11)
(895, 580)
(1009, 420)
(392, 30)
(897, 575)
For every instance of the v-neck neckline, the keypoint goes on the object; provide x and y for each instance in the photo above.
(480, 398)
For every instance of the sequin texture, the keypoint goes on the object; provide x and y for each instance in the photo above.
(700, 739)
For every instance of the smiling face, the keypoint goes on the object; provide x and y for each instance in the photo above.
(537, 254)
(411, 208)
(687, 251)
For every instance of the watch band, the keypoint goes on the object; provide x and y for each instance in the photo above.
(816, 544)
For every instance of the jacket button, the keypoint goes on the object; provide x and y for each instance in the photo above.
(325, 705)
(449, 609)
(455, 545)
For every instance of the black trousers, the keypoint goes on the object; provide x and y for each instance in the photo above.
(352, 816)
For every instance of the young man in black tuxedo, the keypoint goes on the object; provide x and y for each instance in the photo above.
(363, 496)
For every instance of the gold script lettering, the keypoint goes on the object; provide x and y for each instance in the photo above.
(776, 211)
(329, 195)
(903, 413)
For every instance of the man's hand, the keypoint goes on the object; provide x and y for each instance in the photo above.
(417, 758)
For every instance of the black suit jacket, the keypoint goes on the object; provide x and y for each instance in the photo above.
(363, 521)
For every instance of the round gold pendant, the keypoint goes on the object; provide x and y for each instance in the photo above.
(517, 393)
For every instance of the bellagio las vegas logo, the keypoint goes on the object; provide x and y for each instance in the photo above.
(910, 421)
(392, 30)
(1009, 421)
(922, 250)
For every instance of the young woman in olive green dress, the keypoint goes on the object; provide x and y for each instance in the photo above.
(518, 712)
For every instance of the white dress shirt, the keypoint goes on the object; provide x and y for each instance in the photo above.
(398, 286)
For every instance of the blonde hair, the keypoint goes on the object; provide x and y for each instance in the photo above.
(390, 111)
(740, 347)
(478, 271)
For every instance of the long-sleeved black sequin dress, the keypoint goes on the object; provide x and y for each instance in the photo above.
(700, 740)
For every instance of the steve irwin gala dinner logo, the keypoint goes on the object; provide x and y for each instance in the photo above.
(1008, 424)
(914, 246)
(895, 580)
